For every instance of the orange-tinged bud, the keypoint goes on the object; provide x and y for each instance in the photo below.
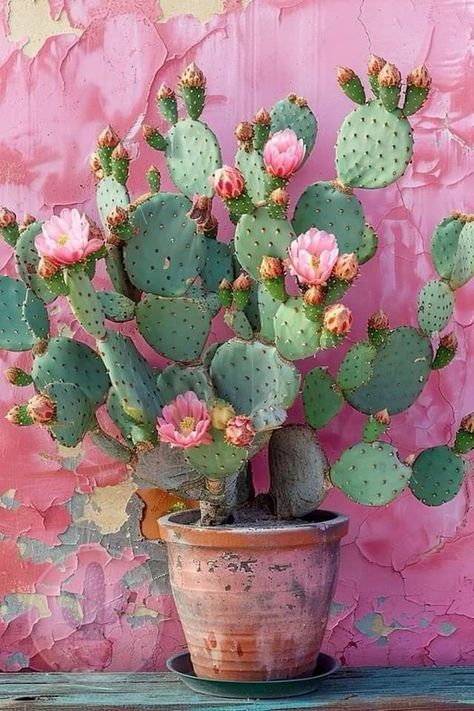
(419, 77)
(7, 217)
(313, 296)
(117, 217)
(375, 65)
(271, 268)
(243, 282)
(262, 118)
(346, 267)
(280, 197)
(344, 75)
(389, 75)
(338, 319)
(192, 76)
(244, 132)
(108, 138)
(378, 320)
(467, 423)
(382, 417)
(120, 152)
(449, 341)
(47, 268)
(41, 409)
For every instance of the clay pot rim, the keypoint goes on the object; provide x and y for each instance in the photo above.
(326, 526)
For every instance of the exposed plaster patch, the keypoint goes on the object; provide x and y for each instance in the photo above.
(32, 19)
(202, 9)
(106, 506)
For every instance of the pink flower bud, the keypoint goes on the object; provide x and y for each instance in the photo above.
(228, 182)
(283, 153)
(271, 268)
(312, 256)
(243, 282)
(338, 319)
(346, 267)
(419, 77)
(41, 409)
(239, 431)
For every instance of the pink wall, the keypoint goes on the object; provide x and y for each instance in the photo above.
(78, 588)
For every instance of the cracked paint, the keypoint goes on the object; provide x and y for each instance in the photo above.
(80, 588)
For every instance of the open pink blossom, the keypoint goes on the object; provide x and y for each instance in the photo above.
(312, 256)
(185, 422)
(283, 153)
(64, 239)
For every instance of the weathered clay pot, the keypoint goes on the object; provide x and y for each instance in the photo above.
(254, 601)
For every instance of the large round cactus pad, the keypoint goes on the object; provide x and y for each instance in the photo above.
(193, 155)
(166, 254)
(325, 207)
(437, 475)
(259, 235)
(374, 146)
(400, 370)
(22, 316)
(370, 474)
(69, 361)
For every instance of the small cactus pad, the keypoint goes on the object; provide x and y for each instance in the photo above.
(217, 460)
(328, 208)
(131, 376)
(218, 264)
(193, 155)
(110, 193)
(27, 259)
(374, 146)
(116, 271)
(373, 429)
(251, 310)
(370, 474)
(239, 323)
(16, 333)
(400, 371)
(435, 306)
(131, 431)
(297, 116)
(85, 303)
(250, 163)
(259, 235)
(74, 413)
(322, 398)
(356, 368)
(177, 328)
(296, 336)
(251, 375)
(463, 269)
(166, 254)
(437, 475)
(35, 315)
(116, 306)
(176, 380)
(267, 306)
(68, 361)
(368, 246)
(444, 245)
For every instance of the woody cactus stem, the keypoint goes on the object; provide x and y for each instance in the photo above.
(214, 508)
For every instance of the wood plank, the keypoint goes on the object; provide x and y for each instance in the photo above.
(359, 689)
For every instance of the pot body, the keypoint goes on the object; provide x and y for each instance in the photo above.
(253, 601)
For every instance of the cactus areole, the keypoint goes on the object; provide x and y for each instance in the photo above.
(212, 406)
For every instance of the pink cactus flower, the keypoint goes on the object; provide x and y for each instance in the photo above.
(283, 153)
(312, 256)
(239, 431)
(228, 182)
(185, 422)
(65, 239)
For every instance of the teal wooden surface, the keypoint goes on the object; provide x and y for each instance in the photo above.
(360, 689)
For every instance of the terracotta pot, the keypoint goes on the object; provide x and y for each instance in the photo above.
(253, 601)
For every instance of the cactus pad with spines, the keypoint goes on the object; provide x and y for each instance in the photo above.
(116, 306)
(216, 460)
(301, 120)
(193, 155)
(110, 194)
(370, 474)
(74, 416)
(166, 254)
(176, 327)
(27, 259)
(267, 306)
(258, 236)
(322, 398)
(400, 371)
(368, 245)
(463, 269)
(218, 265)
(35, 315)
(239, 323)
(131, 431)
(335, 290)
(296, 336)
(176, 380)
(437, 475)
(444, 245)
(85, 303)
(327, 208)
(374, 146)
(250, 163)
(356, 367)
(15, 331)
(69, 361)
(435, 306)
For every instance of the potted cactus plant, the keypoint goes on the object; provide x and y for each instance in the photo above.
(252, 576)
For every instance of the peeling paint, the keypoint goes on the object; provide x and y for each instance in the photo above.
(106, 506)
(31, 24)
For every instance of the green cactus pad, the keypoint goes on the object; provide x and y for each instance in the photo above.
(373, 430)
(239, 323)
(176, 380)
(296, 336)
(68, 361)
(368, 246)
(356, 368)
(193, 155)
(116, 271)
(374, 146)
(74, 413)
(437, 475)
(175, 327)
(370, 474)
(116, 306)
(16, 304)
(400, 371)
(267, 306)
(217, 460)
(131, 376)
(259, 235)
(444, 246)
(463, 269)
(250, 163)
(251, 376)
(251, 310)
(132, 432)
(27, 259)
(110, 194)
(301, 120)
(325, 207)
(85, 303)
(166, 254)
(219, 264)
(335, 290)
(435, 306)
(111, 446)
(322, 398)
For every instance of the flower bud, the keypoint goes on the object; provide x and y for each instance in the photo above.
(410, 460)
(243, 282)
(228, 182)
(338, 319)
(7, 217)
(27, 221)
(280, 197)
(164, 92)
(47, 268)
(262, 118)
(221, 412)
(378, 320)
(271, 268)
(17, 376)
(108, 138)
(467, 423)
(313, 296)
(419, 77)
(41, 409)
(244, 132)
(94, 163)
(382, 417)
(375, 65)
(239, 431)
(192, 76)
(301, 102)
(346, 267)
(14, 415)
(389, 75)
(225, 293)
(292, 98)
(344, 75)
(117, 217)
(120, 152)
(449, 341)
